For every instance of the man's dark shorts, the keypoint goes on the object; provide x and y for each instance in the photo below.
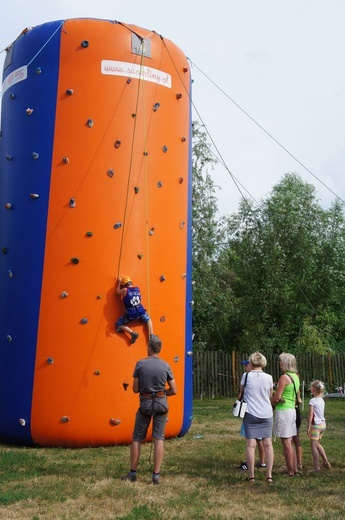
(155, 409)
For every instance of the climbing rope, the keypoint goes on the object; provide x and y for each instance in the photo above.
(140, 94)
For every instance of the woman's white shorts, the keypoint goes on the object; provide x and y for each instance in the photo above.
(285, 423)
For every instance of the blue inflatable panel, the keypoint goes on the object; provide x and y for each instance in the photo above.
(29, 83)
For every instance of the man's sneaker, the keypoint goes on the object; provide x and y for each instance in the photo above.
(263, 465)
(243, 466)
(135, 336)
(131, 478)
(155, 478)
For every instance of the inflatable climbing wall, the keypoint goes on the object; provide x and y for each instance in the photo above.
(95, 183)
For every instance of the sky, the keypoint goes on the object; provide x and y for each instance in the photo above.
(268, 81)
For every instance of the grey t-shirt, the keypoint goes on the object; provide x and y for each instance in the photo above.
(152, 373)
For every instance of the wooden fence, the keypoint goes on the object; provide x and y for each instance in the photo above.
(218, 374)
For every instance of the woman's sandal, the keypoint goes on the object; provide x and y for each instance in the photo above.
(250, 479)
(269, 480)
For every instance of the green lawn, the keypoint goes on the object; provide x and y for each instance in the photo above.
(199, 479)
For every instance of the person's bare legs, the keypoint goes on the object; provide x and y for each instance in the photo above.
(250, 456)
(149, 328)
(298, 448)
(269, 456)
(125, 328)
(289, 455)
(135, 455)
(318, 451)
(261, 450)
(158, 455)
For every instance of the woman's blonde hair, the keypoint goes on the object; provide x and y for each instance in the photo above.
(257, 360)
(288, 362)
(319, 386)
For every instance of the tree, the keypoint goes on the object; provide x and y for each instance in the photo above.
(211, 294)
(287, 263)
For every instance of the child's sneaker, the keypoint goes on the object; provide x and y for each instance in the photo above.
(135, 336)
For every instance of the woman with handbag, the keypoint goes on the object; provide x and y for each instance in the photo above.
(257, 389)
(284, 401)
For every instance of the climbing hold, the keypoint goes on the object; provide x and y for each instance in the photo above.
(84, 321)
(180, 180)
(84, 43)
(29, 111)
(165, 149)
(156, 107)
(50, 361)
(75, 260)
(64, 294)
(34, 195)
(12, 96)
(98, 297)
(128, 80)
(65, 418)
(184, 275)
(162, 278)
(110, 173)
(140, 256)
(146, 154)
(176, 359)
(10, 273)
(89, 233)
(114, 422)
(117, 225)
(134, 115)
(70, 91)
(9, 338)
(65, 160)
(125, 386)
(152, 230)
(8, 205)
(35, 155)
(183, 139)
(90, 123)
(136, 189)
(191, 303)
(72, 203)
(162, 319)
(97, 373)
(4, 250)
(8, 157)
(159, 184)
(22, 422)
(117, 143)
(182, 224)
(178, 96)
(185, 69)
(189, 353)
(38, 70)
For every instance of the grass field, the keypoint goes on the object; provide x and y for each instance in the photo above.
(199, 479)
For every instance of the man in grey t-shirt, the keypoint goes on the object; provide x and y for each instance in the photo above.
(150, 378)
